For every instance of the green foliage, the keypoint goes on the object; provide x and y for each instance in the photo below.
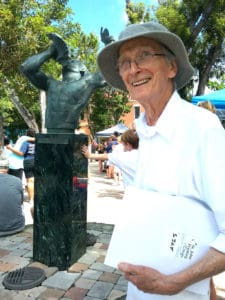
(137, 12)
(174, 19)
(6, 106)
(217, 85)
(106, 108)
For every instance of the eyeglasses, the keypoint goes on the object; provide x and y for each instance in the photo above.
(140, 60)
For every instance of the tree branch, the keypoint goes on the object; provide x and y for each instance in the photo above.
(26, 115)
(197, 26)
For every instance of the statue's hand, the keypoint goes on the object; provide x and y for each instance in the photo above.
(105, 37)
(53, 51)
(61, 49)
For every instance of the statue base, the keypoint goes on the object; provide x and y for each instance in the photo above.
(60, 202)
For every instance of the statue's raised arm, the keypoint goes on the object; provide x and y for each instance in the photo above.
(105, 37)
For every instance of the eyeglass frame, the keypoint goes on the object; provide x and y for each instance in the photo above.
(139, 59)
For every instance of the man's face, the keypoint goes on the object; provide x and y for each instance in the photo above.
(145, 70)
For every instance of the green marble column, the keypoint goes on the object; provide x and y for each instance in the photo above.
(60, 203)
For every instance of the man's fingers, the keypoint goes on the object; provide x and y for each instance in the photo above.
(127, 268)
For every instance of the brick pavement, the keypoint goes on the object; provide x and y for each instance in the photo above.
(88, 278)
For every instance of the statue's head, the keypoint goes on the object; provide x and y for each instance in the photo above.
(73, 68)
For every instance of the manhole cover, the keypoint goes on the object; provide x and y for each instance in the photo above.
(23, 279)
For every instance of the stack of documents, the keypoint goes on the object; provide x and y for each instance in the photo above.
(168, 233)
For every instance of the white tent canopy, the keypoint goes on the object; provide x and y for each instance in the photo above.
(120, 128)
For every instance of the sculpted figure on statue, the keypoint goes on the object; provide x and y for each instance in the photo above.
(67, 97)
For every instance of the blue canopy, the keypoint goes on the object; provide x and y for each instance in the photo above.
(217, 98)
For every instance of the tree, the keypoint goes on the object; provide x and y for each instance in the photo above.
(137, 13)
(206, 40)
(200, 24)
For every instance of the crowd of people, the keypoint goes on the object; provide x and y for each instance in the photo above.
(120, 160)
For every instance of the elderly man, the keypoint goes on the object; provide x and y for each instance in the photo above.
(12, 219)
(181, 148)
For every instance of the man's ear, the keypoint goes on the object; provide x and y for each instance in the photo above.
(173, 68)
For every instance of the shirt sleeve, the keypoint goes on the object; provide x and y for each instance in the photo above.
(23, 147)
(125, 161)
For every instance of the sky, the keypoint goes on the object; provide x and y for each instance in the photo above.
(94, 14)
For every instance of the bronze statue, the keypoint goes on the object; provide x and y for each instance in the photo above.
(65, 98)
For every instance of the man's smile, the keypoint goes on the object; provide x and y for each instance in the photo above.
(140, 82)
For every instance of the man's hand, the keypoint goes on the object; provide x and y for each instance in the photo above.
(150, 280)
(53, 51)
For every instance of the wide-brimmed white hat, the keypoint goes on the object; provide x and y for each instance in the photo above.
(108, 56)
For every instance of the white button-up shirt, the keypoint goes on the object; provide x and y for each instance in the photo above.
(184, 155)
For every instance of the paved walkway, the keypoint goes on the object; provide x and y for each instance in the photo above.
(88, 278)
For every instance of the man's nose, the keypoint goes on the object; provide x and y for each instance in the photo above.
(134, 67)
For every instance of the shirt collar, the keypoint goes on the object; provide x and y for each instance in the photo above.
(166, 123)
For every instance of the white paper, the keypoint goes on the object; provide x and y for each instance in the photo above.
(168, 233)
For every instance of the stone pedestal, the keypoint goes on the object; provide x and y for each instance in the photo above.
(60, 203)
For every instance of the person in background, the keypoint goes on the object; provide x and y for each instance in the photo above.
(28, 151)
(111, 142)
(117, 175)
(100, 150)
(12, 219)
(15, 158)
(108, 149)
(94, 146)
(6, 152)
(178, 145)
(207, 105)
(116, 135)
(126, 160)
(25, 154)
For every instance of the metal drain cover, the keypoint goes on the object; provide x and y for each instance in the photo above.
(23, 279)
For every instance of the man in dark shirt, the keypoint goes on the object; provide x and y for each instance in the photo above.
(12, 219)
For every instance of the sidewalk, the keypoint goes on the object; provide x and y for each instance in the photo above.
(88, 278)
